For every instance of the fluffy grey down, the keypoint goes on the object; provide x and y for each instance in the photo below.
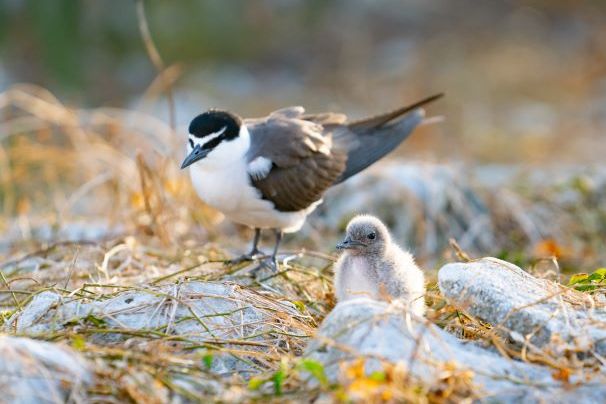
(377, 268)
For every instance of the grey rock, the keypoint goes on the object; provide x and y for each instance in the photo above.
(536, 312)
(197, 311)
(424, 204)
(376, 329)
(29, 319)
(73, 230)
(40, 372)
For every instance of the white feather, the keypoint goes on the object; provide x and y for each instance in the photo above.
(208, 138)
(259, 167)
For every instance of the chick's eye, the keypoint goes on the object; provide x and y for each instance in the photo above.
(371, 236)
(191, 143)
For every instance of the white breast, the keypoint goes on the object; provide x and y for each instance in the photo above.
(227, 189)
(354, 281)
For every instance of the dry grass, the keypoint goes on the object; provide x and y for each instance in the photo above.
(65, 171)
(92, 204)
(149, 365)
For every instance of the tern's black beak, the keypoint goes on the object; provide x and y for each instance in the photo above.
(196, 154)
(349, 244)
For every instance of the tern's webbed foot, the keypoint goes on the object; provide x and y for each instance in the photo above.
(270, 263)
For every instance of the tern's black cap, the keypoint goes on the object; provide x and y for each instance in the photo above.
(213, 121)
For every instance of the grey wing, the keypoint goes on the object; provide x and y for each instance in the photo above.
(364, 147)
(288, 112)
(326, 118)
(294, 157)
(291, 161)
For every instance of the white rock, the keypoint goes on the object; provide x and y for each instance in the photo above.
(38, 308)
(375, 330)
(528, 308)
(39, 372)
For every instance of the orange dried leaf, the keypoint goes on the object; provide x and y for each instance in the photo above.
(562, 375)
(23, 206)
(355, 370)
(137, 200)
(172, 186)
(550, 248)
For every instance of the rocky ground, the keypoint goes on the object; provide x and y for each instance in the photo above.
(113, 285)
(493, 332)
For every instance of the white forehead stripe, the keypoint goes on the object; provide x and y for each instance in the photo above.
(207, 138)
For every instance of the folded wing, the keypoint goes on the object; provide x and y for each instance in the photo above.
(303, 161)
(294, 158)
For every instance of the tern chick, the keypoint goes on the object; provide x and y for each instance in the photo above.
(373, 266)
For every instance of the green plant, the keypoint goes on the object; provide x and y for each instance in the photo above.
(588, 282)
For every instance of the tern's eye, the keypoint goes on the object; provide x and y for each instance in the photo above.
(191, 143)
(371, 236)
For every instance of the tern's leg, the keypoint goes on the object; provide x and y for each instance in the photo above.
(272, 263)
(254, 252)
(274, 259)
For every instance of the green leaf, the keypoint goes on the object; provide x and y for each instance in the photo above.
(585, 288)
(315, 368)
(595, 277)
(208, 360)
(5, 315)
(586, 282)
(278, 379)
(255, 383)
(600, 271)
(78, 342)
(378, 376)
(578, 278)
(299, 305)
(96, 321)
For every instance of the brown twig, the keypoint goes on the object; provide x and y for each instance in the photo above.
(156, 59)
(461, 255)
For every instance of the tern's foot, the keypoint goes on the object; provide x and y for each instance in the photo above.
(251, 256)
(270, 264)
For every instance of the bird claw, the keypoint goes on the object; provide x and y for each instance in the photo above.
(271, 264)
(251, 256)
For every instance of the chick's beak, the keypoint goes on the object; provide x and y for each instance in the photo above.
(349, 244)
(196, 154)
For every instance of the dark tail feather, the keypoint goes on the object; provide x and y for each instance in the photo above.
(368, 140)
(376, 121)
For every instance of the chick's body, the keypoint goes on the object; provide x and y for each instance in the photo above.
(376, 267)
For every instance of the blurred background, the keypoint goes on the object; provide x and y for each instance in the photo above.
(516, 168)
